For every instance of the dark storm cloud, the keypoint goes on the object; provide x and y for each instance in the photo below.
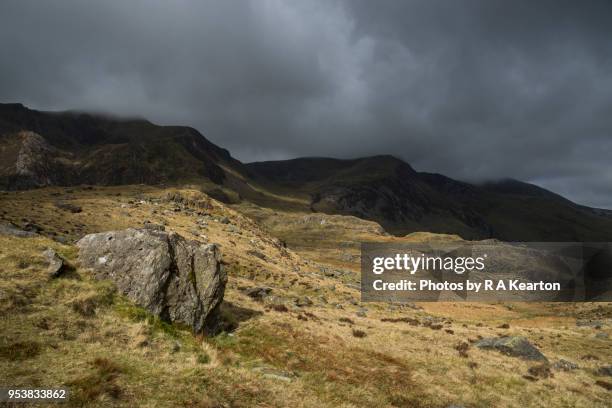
(472, 89)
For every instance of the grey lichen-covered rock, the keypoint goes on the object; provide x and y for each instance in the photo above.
(176, 279)
(514, 346)
(258, 292)
(56, 263)
(274, 374)
(565, 365)
(153, 227)
(10, 229)
(589, 323)
(605, 371)
(68, 207)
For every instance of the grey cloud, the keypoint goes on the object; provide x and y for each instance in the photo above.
(472, 89)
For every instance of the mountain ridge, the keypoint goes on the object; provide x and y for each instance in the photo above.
(403, 200)
(40, 149)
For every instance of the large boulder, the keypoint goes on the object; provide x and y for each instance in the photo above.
(176, 279)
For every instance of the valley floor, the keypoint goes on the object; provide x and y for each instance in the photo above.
(310, 343)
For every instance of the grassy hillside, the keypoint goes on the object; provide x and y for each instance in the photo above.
(77, 332)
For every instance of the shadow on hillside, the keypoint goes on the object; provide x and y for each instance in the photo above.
(232, 315)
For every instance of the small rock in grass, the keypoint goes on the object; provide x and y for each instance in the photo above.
(258, 292)
(564, 365)
(514, 346)
(10, 229)
(56, 263)
(68, 207)
(256, 254)
(153, 227)
(274, 374)
(605, 371)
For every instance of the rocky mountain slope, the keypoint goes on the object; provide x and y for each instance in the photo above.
(390, 192)
(63, 149)
(44, 148)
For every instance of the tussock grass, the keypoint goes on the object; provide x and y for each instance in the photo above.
(19, 351)
(99, 382)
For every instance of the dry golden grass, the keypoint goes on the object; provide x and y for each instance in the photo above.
(78, 332)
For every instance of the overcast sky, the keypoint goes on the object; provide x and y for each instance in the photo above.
(471, 89)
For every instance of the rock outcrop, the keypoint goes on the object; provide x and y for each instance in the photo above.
(514, 346)
(10, 229)
(29, 161)
(176, 279)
